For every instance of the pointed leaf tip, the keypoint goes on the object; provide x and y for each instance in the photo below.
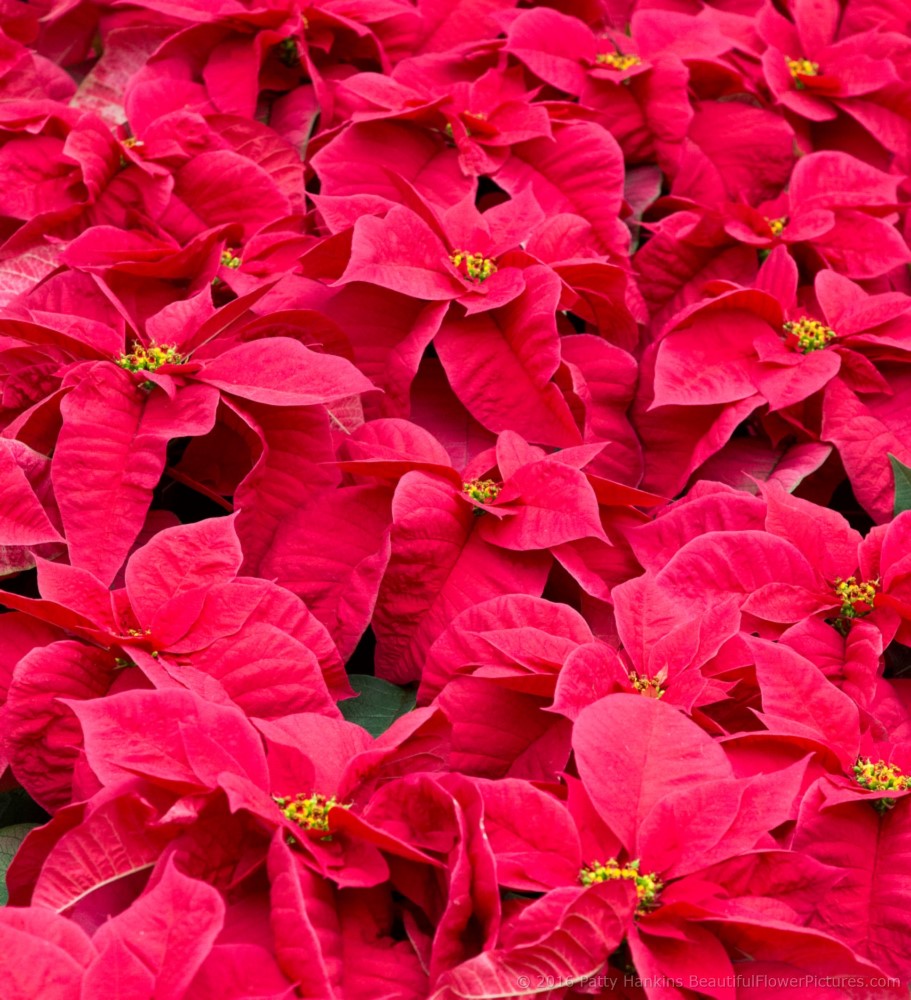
(378, 704)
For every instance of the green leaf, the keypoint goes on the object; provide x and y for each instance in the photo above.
(902, 474)
(378, 704)
(10, 839)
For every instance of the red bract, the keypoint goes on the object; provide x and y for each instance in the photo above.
(60, 165)
(23, 519)
(867, 844)
(489, 537)
(485, 116)
(184, 618)
(160, 941)
(802, 564)
(348, 955)
(440, 564)
(864, 428)
(216, 785)
(635, 81)
(562, 938)
(455, 490)
(363, 161)
(55, 954)
(740, 350)
(831, 199)
(507, 655)
(456, 258)
(816, 75)
(141, 399)
(682, 882)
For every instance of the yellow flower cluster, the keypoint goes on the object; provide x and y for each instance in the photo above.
(777, 225)
(148, 359)
(809, 335)
(474, 266)
(856, 598)
(482, 490)
(880, 777)
(801, 67)
(648, 686)
(311, 812)
(647, 886)
(617, 60)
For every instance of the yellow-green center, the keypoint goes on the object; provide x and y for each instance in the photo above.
(647, 686)
(880, 777)
(288, 52)
(617, 60)
(856, 598)
(777, 225)
(857, 601)
(148, 359)
(482, 490)
(310, 812)
(799, 68)
(807, 335)
(647, 886)
(473, 266)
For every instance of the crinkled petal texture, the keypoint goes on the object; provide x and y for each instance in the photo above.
(23, 520)
(179, 561)
(865, 430)
(43, 738)
(870, 849)
(563, 938)
(439, 566)
(334, 558)
(172, 736)
(455, 500)
(159, 943)
(110, 455)
(501, 364)
(579, 171)
(116, 841)
(52, 954)
(646, 748)
(282, 372)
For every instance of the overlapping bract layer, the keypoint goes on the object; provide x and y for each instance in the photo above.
(544, 362)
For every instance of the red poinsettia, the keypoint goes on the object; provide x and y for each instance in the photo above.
(184, 619)
(141, 398)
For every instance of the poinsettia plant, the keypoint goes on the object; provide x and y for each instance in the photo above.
(455, 500)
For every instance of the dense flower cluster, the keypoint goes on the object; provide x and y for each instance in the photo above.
(455, 521)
